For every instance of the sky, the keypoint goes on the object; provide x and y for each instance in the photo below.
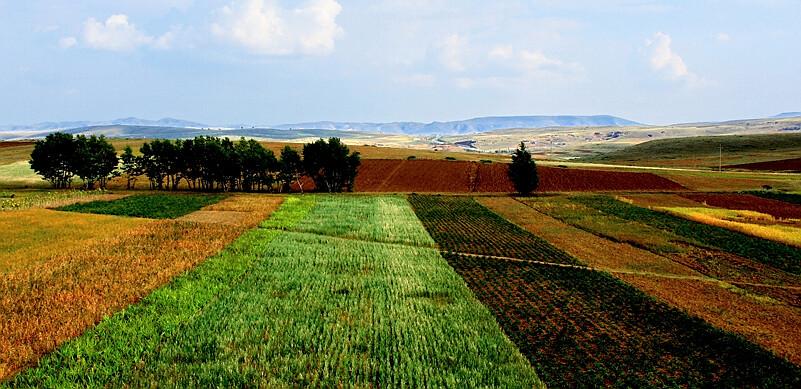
(263, 62)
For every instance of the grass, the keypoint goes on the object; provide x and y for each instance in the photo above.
(740, 221)
(385, 219)
(704, 150)
(792, 198)
(33, 236)
(328, 311)
(148, 206)
(294, 209)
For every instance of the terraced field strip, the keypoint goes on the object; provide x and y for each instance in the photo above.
(329, 305)
(110, 353)
(461, 225)
(775, 254)
(586, 328)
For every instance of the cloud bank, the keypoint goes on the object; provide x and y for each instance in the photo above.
(665, 61)
(265, 28)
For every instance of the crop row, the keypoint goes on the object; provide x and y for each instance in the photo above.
(386, 219)
(461, 225)
(147, 206)
(778, 255)
(581, 328)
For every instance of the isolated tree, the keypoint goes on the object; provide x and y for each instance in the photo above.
(330, 165)
(54, 159)
(523, 171)
(131, 167)
(95, 160)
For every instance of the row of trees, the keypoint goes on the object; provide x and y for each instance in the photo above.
(60, 157)
(203, 163)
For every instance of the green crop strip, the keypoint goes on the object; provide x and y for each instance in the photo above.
(147, 206)
(293, 210)
(786, 197)
(110, 352)
(385, 219)
(775, 254)
(324, 311)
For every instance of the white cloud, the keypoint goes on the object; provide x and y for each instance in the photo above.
(451, 50)
(116, 34)
(503, 52)
(178, 36)
(722, 37)
(264, 27)
(666, 61)
(67, 42)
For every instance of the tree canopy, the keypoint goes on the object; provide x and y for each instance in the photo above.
(523, 171)
(60, 156)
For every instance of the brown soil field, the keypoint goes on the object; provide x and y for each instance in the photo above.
(775, 208)
(9, 143)
(43, 306)
(677, 280)
(779, 165)
(437, 176)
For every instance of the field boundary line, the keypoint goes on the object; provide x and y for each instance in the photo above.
(629, 272)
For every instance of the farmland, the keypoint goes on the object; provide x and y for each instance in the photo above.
(431, 276)
(374, 314)
(585, 328)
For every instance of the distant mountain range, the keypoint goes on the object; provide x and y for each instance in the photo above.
(470, 126)
(786, 115)
(130, 121)
(461, 127)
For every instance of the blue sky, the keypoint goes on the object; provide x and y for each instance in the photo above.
(263, 62)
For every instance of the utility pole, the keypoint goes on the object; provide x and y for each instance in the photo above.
(720, 159)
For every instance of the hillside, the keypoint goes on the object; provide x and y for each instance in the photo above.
(706, 151)
(471, 126)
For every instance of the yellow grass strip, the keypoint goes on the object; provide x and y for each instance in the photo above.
(718, 217)
(44, 306)
(240, 210)
(32, 236)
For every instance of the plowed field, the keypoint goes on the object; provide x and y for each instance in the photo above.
(434, 176)
(774, 208)
(780, 165)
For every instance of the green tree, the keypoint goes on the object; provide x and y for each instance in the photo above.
(330, 165)
(54, 159)
(131, 167)
(290, 168)
(523, 171)
(95, 160)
